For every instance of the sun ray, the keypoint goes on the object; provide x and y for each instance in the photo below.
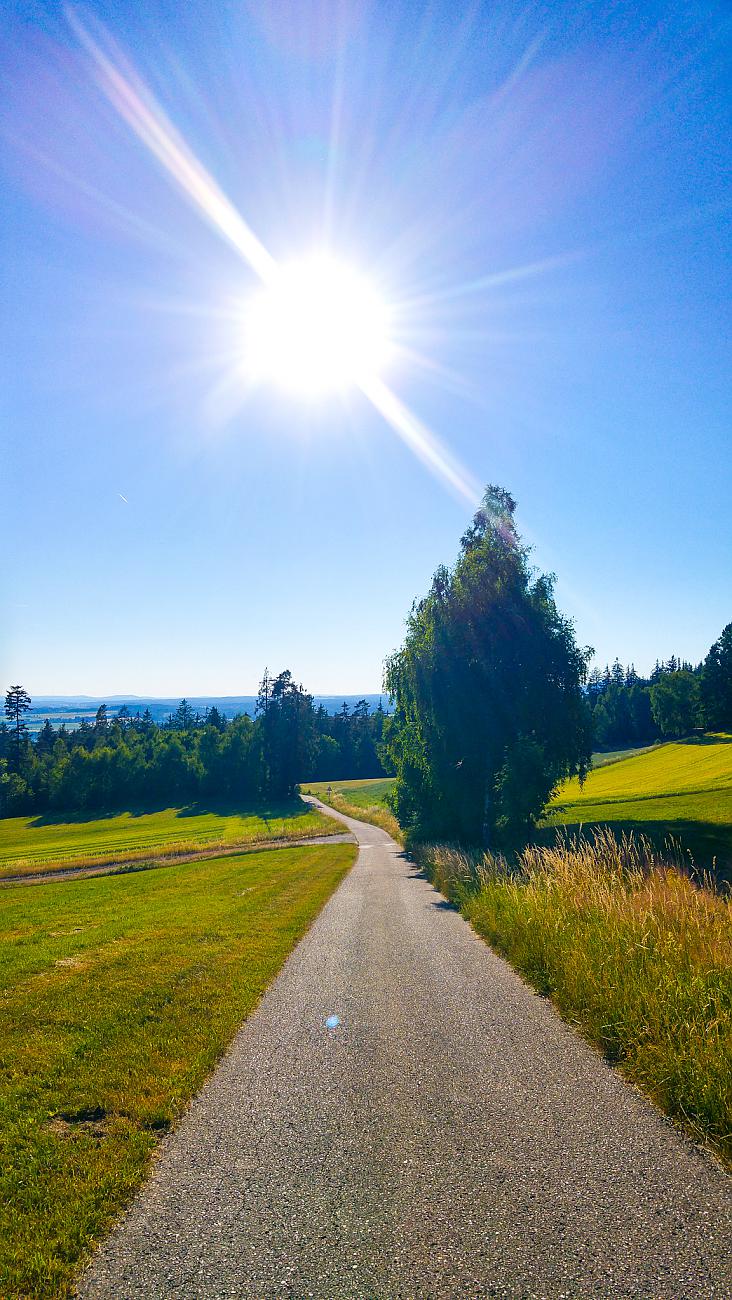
(136, 105)
(134, 102)
(424, 444)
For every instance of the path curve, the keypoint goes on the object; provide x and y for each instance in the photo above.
(450, 1138)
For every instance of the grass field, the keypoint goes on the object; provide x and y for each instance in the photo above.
(68, 839)
(361, 794)
(602, 757)
(363, 799)
(631, 953)
(683, 789)
(119, 993)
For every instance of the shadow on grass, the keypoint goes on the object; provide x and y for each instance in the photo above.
(216, 808)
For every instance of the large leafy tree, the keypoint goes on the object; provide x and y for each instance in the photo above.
(490, 713)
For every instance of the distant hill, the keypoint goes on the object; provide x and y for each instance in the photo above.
(72, 709)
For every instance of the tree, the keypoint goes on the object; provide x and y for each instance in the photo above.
(184, 718)
(675, 703)
(215, 719)
(288, 733)
(46, 738)
(716, 684)
(17, 704)
(489, 713)
(617, 673)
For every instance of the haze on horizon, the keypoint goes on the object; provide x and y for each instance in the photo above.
(539, 198)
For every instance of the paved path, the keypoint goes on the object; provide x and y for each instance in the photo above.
(450, 1138)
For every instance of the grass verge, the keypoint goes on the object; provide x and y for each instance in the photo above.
(365, 800)
(61, 840)
(628, 949)
(119, 994)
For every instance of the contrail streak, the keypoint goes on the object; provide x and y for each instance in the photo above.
(135, 103)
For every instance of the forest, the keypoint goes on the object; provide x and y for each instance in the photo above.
(131, 761)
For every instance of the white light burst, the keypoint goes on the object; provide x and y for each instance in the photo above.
(316, 327)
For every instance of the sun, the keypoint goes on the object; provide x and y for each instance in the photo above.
(315, 328)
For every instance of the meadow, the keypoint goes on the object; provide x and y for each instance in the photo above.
(119, 994)
(681, 790)
(63, 840)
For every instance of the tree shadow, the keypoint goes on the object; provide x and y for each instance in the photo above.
(78, 816)
(282, 811)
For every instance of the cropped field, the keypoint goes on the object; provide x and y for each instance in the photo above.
(683, 790)
(67, 839)
(631, 953)
(119, 993)
(363, 799)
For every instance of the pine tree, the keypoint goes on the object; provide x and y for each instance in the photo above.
(17, 704)
(618, 674)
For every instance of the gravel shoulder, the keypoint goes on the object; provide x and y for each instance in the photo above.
(449, 1137)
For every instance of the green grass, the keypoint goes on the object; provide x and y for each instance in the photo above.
(602, 757)
(683, 790)
(361, 794)
(363, 799)
(631, 953)
(54, 840)
(119, 993)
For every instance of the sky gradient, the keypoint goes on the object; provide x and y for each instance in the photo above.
(540, 191)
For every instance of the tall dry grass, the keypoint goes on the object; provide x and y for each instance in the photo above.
(629, 949)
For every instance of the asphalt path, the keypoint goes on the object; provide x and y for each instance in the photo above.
(449, 1136)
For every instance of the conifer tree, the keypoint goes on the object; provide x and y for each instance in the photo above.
(17, 704)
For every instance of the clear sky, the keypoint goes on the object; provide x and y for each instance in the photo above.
(540, 195)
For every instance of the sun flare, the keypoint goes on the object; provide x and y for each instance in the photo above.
(316, 327)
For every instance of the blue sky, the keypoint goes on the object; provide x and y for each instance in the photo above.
(540, 191)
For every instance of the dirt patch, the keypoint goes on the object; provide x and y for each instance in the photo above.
(92, 1121)
(72, 963)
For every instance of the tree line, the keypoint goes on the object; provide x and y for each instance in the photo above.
(673, 701)
(129, 760)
